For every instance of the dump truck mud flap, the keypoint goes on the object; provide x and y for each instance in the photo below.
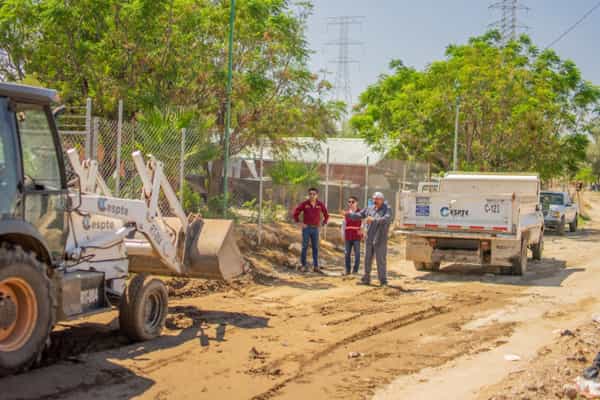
(418, 249)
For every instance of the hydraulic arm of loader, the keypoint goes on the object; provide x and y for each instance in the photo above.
(178, 245)
(138, 215)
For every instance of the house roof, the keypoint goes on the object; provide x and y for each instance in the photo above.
(342, 151)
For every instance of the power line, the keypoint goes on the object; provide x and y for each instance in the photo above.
(575, 25)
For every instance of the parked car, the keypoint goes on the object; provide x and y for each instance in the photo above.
(559, 210)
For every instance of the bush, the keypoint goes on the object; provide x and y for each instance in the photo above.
(191, 199)
(214, 208)
(270, 212)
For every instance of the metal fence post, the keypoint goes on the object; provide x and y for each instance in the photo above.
(181, 165)
(326, 189)
(88, 128)
(260, 191)
(119, 139)
(95, 131)
(367, 182)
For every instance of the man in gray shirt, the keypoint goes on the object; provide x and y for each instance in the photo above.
(378, 219)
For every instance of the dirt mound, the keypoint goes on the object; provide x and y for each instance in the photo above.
(279, 251)
(555, 367)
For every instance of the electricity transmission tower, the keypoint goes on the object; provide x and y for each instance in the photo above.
(342, 85)
(508, 24)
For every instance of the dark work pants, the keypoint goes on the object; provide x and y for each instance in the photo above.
(352, 245)
(379, 250)
(310, 233)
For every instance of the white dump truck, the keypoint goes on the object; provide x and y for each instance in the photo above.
(486, 219)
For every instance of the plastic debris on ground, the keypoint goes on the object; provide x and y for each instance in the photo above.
(512, 357)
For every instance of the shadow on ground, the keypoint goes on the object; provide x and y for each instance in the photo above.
(547, 272)
(79, 360)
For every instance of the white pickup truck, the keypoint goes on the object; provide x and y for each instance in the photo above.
(487, 219)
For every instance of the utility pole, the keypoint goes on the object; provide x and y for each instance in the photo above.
(342, 85)
(455, 153)
(228, 107)
(508, 24)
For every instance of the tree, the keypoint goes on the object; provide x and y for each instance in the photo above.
(159, 53)
(293, 177)
(519, 109)
(593, 150)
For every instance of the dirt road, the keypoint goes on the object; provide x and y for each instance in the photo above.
(293, 336)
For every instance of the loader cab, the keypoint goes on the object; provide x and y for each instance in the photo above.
(33, 191)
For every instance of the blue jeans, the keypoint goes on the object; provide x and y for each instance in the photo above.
(352, 244)
(310, 233)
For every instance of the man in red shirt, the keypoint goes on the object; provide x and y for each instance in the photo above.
(311, 211)
(352, 236)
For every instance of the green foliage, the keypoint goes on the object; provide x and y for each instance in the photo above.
(271, 212)
(292, 178)
(191, 200)
(214, 208)
(172, 54)
(519, 107)
(573, 151)
(593, 150)
(294, 173)
(585, 175)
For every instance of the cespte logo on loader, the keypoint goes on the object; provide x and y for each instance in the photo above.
(104, 206)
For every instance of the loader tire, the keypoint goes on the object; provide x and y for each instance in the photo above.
(538, 248)
(519, 264)
(26, 309)
(143, 308)
(573, 225)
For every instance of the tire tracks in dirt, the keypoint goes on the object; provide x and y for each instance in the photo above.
(370, 331)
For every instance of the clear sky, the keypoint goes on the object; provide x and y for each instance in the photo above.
(417, 32)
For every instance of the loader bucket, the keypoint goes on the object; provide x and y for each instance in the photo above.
(211, 252)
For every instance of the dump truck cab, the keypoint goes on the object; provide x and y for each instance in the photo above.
(33, 191)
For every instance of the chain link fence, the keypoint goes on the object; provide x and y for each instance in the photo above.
(264, 187)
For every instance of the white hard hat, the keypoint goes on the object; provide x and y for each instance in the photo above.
(378, 195)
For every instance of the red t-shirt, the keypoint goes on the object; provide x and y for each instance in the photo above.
(352, 230)
(312, 214)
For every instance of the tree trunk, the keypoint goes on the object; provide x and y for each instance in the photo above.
(215, 182)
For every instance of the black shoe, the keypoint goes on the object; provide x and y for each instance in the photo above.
(363, 282)
(383, 284)
(318, 270)
(590, 373)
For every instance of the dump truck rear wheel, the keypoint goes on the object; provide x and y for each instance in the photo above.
(519, 266)
(419, 266)
(427, 266)
(143, 308)
(26, 309)
(537, 249)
